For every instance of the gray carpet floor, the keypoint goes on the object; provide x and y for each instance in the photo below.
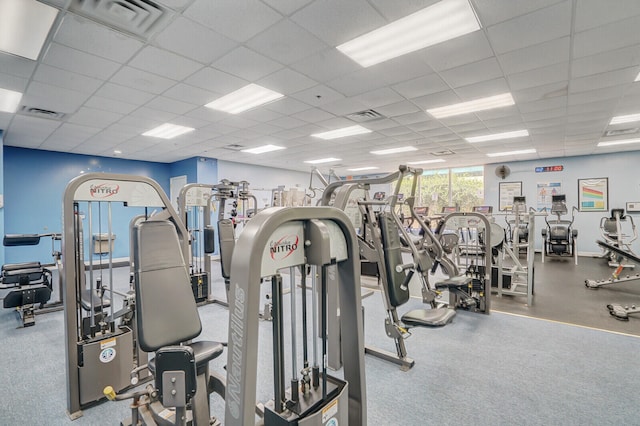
(496, 369)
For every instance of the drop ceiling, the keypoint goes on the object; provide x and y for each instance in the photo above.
(570, 66)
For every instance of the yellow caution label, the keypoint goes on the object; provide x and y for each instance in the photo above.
(108, 343)
(329, 411)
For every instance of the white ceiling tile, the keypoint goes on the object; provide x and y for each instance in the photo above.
(86, 35)
(237, 19)
(142, 80)
(287, 122)
(119, 93)
(539, 77)
(164, 63)
(326, 65)
(606, 61)
(606, 79)
(422, 126)
(402, 68)
(5, 118)
(607, 37)
(28, 131)
(265, 129)
(498, 112)
(433, 100)
(464, 75)
(313, 115)
(16, 65)
(597, 95)
(45, 96)
(12, 82)
(336, 123)
(466, 49)
(534, 28)
(247, 64)
(162, 103)
(338, 21)
(287, 81)
(194, 41)
(318, 95)
(96, 118)
(261, 115)
(541, 92)
(287, 106)
(357, 83)
(483, 89)
(73, 60)
(215, 81)
(394, 10)
(379, 97)
(400, 108)
(287, 7)
(344, 106)
(494, 11)
(548, 113)
(207, 114)
(66, 79)
(540, 55)
(286, 43)
(594, 13)
(190, 94)
(238, 121)
(546, 104)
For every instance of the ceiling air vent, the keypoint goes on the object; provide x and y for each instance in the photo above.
(141, 18)
(233, 147)
(621, 132)
(41, 113)
(441, 153)
(364, 116)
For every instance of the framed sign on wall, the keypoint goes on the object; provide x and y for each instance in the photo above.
(506, 192)
(593, 195)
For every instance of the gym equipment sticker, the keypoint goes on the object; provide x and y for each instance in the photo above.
(107, 355)
(328, 412)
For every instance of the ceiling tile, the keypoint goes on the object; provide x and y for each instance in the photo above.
(534, 28)
(607, 37)
(247, 64)
(597, 95)
(86, 35)
(261, 115)
(16, 65)
(237, 19)
(286, 43)
(194, 41)
(73, 60)
(338, 21)
(539, 77)
(529, 58)
(46, 96)
(287, 122)
(394, 10)
(162, 103)
(546, 104)
(483, 89)
(190, 94)
(313, 115)
(29, 131)
(606, 79)
(466, 49)
(594, 13)
(379, 97)
(12, 82)
(118, 93)
(433, 100)
(318, 95)
(326, 65)
(287, 81)
(287, 7)
(464, 75)
(142, 80)
(287, 106)
(357, 83)
(164, 63)
(66, 79)
(400, 108)
(97, 118)
(215, 81)
(344, 106)
(537, 93)
(606, 61)
(494, 11)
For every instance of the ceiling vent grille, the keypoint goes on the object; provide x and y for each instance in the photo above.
(442, 153)
(41, 113)
(140, 18)
(234, 147)
(621, 132)
(364, 116)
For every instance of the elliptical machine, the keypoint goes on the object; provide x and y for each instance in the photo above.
(559, 236)
(613, 234)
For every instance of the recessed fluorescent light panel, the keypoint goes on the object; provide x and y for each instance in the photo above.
(262, 149)
(498, 101)
(498, 136)
(637, 77)
(250, 96)
(619, 142)
(437, 160)
(117, 152)
(394, 150)
(24, 26)
(9, 100)
(504, 154)
(168, 131)
(361, 169)
(440, 22)
(322, 160)
(341, 133)
(625, 119)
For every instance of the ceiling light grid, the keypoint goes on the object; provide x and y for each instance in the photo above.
(244, 99)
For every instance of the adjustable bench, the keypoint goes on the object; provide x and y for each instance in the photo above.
(30, 283)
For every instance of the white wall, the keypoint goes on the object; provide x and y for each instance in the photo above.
(624, 185)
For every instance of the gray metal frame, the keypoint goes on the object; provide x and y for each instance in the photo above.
(246, 274)
(76, 191)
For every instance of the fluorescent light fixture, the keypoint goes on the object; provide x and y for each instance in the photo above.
(168, 131)
(498, 101)
(637, 77)
(619, 119)
(323, 160)
(24, 26)
(262, 149)
(435, 24)
(341, 133)
(504, 154)
(360, 169)
(9, 100)
(117, 152)
(437, 160)
(250, 96)
(394, 150)
(498, 136)
(618, 142)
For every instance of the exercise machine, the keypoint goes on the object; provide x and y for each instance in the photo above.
(619, 311)
(102, 344)
(167, 320)
(559, 236)
(30, 283)
(614, 233)
(517, 234)
(285, 238)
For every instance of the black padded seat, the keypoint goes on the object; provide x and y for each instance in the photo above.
(35, 294)
(22, 273)
(85, 301)
(454, 282)
(203, 352)
(429, 317)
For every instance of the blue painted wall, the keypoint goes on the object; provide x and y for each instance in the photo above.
(207, 170)
(621, 169)
(188, 167)
(35, 182)
(2, 194)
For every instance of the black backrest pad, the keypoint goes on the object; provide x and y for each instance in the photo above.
(227, 241)
(166, 309)
(12, 240)
(392, 257)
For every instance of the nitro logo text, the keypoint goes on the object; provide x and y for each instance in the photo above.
(283, 248)
(104, 190)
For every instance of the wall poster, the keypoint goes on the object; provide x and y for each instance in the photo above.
(593, 195)
(506, 192)
(544, 193)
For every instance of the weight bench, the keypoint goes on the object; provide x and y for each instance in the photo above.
(30, 283)
(167, 319)
(616, 310)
